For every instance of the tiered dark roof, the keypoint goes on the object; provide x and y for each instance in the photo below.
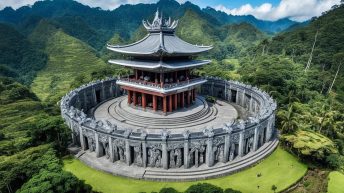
(160, 43)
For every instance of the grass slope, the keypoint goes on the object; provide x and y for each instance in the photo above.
(280, 169)
(68, 57)
(335, 182)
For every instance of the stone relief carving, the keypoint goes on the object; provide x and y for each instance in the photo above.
(154, 157)
(138, 156)
(77, 118)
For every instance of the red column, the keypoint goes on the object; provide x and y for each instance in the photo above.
(164, 104)
(182, 99)
(156, 77)
(144, 101)
(188, 97)
(136, 74)
(155, 104)
(175, 101)
(129, 96)
(134, 98)
(175, 76)
(191, 95)
(194, 94)
(170, 103)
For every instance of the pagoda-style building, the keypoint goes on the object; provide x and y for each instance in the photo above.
(162, 64)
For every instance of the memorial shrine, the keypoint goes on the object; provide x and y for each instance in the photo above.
(157, 123)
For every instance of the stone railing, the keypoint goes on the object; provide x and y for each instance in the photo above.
(231, 141)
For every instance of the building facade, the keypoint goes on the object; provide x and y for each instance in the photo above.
(162, 64)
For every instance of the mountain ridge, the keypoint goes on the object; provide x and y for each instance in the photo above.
(105, 19)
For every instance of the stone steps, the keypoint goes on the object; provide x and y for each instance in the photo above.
(203, 116)
(205, 108)
(215, 171)
(188, 121)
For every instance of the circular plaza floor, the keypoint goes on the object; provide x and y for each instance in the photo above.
(197, 117)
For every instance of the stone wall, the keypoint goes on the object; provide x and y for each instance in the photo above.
(187, 149)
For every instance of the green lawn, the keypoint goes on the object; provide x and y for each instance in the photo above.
(335, 182)
(281, 169)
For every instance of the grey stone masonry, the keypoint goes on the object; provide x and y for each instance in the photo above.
(186, 150)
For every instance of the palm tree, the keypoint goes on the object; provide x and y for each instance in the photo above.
(288, 119)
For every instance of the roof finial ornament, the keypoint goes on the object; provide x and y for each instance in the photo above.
(158, 23)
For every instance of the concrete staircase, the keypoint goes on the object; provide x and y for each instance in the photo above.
(218, 170)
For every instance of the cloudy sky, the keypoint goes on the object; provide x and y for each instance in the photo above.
(298, 10)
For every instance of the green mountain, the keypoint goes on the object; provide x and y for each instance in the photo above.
(328, 53)
(68, 58)
(267, 26)
(18, 57)
(96, 26)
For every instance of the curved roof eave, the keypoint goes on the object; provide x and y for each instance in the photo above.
(157, 65)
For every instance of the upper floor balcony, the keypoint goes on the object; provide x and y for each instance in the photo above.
(165, 87)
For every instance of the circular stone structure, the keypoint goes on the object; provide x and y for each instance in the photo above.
(202, 141)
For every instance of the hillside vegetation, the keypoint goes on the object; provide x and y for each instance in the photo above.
(68, 58)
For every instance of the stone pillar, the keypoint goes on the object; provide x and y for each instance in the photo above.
(127, 152)
(243, 98)
(196, 158)
(144, 149)
(82, 141)
(170, 103)
(111, 90)
(256, 138)
(164, 104)
(212, 88)
(237, 97)
(112, 157)
(241, 144)
(85, 101)
(164, 154)
(94, 95)
(102, 98)
(186, 149)
(251, 102)
(144, 101)
(227, 146)
(268, 131)
(230, 93)
(210, 153)
(98, 147)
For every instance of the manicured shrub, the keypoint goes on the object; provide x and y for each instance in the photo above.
(204, 188)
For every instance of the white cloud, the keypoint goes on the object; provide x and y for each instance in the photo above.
(298, 10)
(15, 4)
(104, 4)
